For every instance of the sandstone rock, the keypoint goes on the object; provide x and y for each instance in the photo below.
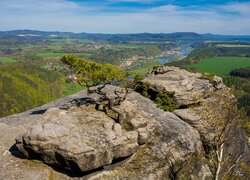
(189, 88)
(84, 139)
(144, 143)
(164, 149)
(218, 83)
(197, 122)
(88, 143)
(12, 164)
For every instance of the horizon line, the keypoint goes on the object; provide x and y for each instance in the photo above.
(129, 33)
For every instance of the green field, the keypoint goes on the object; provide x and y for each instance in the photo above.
(221, 66)
(232, 45)
(71, 88)
(145, 68)
(48, 54)
(7, 60)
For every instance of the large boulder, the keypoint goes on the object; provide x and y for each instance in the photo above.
(79, 139)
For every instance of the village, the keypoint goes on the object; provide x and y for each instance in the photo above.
(129, 61)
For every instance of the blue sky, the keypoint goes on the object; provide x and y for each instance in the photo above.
(127, 16)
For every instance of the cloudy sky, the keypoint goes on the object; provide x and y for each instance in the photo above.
(127, 16)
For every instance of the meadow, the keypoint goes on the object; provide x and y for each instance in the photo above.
(71, 88)
(49, 54)
(7, 60)
(232, 45)
(221, 66)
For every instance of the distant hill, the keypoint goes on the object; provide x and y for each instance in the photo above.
(27, 33)
(184, 36)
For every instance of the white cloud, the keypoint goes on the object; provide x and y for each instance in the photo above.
(170, 9)
(168, 18)
(36, 6)
(242, 8)
(136, 1)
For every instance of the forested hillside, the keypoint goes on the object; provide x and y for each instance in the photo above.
(23, 87)
(240, 80)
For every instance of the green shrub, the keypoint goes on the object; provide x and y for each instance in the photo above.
(208, 76)
(166, 101)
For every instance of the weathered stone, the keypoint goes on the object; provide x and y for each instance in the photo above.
(155, 143)
(192, 118)
(166, 147)
(90, 142)
(189, 88)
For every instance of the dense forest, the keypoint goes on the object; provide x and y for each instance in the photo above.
(242, 72)
(25, 86)
(239, 79)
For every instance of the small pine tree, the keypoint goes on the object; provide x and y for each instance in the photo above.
(90, 74)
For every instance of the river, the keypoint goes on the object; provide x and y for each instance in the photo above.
(185, 50)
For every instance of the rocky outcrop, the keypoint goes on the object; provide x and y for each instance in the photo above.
(74, 136)
(207, 105)
(81, 139)
(189, 88)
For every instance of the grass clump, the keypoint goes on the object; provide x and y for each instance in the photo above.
(208, 76)
(164, 100)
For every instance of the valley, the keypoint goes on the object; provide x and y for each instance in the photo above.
(137, 53)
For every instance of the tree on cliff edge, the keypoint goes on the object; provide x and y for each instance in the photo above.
(90, 74)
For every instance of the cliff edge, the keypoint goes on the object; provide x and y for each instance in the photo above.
(175, 125)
